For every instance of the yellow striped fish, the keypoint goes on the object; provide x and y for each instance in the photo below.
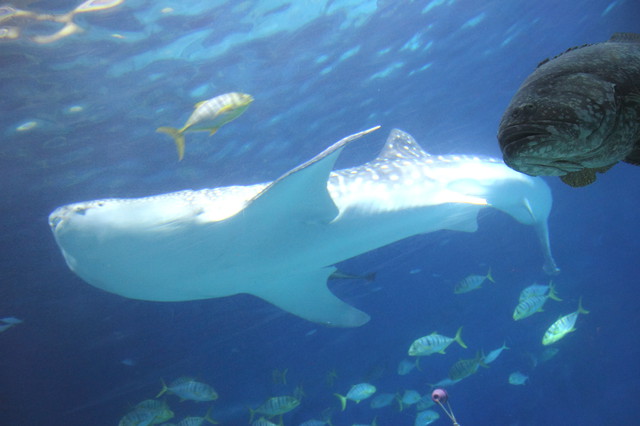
(209, 116)
(188, 388)
(472, 282)
(357, 393)
(434, 343)
(466, 367)
(540, 290)
(275, 406)
(532, 299)
(562, 326)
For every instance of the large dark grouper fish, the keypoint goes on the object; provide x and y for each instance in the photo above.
(577, 114)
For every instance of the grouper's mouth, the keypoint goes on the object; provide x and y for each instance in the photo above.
(535, 151)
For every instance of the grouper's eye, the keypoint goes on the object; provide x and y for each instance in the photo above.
(522, 109)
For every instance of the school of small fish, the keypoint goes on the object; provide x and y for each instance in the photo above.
(273, 409)
(531, 301)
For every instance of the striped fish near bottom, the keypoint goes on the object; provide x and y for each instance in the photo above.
(434, 343)
(357, 393)
(562, 326)
(275, 406)
(188, 388)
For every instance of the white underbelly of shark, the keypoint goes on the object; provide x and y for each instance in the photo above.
(280, 240)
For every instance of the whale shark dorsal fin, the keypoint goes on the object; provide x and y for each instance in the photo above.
(303, 190)
(401, 145)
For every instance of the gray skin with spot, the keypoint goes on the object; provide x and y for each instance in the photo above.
(577, 114)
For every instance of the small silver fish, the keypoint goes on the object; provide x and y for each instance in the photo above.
(426, 417)
(517, 378)
(494, 354)
(383, 400)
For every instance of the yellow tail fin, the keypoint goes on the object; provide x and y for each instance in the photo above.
(164, 389)
(552, 292)
(581, 310)
(489, 276)
(343, 400)
(177, 136)
(458, 338)
(207, 417)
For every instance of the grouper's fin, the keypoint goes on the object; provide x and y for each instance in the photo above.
(177, 136)
(634, 156)
(308, 297)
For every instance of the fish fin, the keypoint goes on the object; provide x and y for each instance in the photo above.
(310, 207)
(225, 109)
(310, 299)
(490, 277)
(303, 190)
(458, 338)
(400, 406)
(198, 104)
(164, 389)
(401, 145)
(581, 310)
(252, 413)
(442, 351)
(178, 138)
(552, 292)
(578, 179)
(207, 417)
(213, 131)
(343, 401)
(634, 156)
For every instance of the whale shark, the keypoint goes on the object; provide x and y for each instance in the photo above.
(280, 240)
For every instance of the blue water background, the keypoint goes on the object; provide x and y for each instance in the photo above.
(443, 71)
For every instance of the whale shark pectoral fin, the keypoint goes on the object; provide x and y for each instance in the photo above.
(306, 295)
(302, 194)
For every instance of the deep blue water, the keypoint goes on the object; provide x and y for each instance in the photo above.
(319, 70)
